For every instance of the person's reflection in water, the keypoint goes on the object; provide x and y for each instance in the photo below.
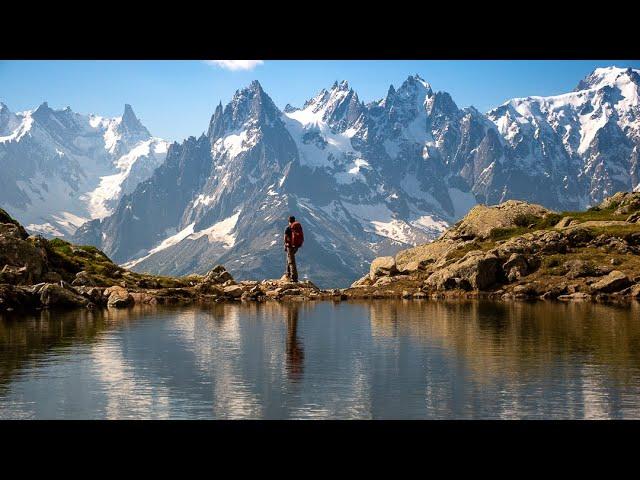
(295, 352)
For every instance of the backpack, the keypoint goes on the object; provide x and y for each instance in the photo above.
(297, 237)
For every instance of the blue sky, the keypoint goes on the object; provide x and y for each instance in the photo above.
(175, 99)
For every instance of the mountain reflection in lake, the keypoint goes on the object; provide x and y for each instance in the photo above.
(376, 359)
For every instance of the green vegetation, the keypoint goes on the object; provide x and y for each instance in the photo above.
(526, 223)
(621, 231)
(68, 260)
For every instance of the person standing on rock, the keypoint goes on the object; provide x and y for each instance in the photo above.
(293, 239)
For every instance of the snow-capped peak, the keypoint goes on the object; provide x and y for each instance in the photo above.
(130, 125)
(66, 167)
(609, 76)
(249, 107)
(414, 85)
(342, 86)
(338, 107)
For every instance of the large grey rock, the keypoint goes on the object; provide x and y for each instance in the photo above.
(52, 295)
(218, 275)
(234, 291)
(118, 297)
(20, 253)
(516, 267)
(613, 282)
(382, 266)
(13, 297)
(583, 268)
(481, 270)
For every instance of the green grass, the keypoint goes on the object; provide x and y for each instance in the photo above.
(621, 231)
(529, 223)
(594, 215)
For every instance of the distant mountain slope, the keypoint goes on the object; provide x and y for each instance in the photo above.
(366, 179)
(570, 150)
(60, 168)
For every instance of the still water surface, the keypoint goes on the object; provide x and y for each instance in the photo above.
(380, 359)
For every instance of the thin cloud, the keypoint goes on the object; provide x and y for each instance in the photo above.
(235, 65)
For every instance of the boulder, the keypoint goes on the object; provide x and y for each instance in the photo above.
(579, 236)
(18, 252)
(13, 275)
(51, 277)
(554, 292)
(427, 253)
(233, 291)
(565, 222)
(382, 266)
(291, 291)
(13, 297)
(54, 295)
(531, 289)
(582, 268)
(118, 297)
(634, 291)
(414, 266)
(362, 282)
(218, 275)
(482, 219)
(613, 282)
(144, 298)
(481, 270)
(516, 267)
(382, 281)
(208, 288)
(5, 218)
(93, 294)
(634, 217)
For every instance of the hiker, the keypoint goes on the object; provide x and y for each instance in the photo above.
(293, 239)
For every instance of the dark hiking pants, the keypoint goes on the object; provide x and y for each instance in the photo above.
(292, 269)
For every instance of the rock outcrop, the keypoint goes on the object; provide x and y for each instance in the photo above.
(519, 250)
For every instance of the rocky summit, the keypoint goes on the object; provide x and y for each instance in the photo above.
(514, 250)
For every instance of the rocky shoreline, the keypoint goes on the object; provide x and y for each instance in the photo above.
(517, 250)
(514, 250)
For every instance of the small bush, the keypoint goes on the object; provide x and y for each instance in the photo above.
(525, 219)
(549, 221)
(506, 233)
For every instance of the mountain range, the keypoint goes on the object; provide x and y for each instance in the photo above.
(365, 179)
(61, 169)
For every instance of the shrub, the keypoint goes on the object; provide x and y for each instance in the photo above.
(525, 219)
